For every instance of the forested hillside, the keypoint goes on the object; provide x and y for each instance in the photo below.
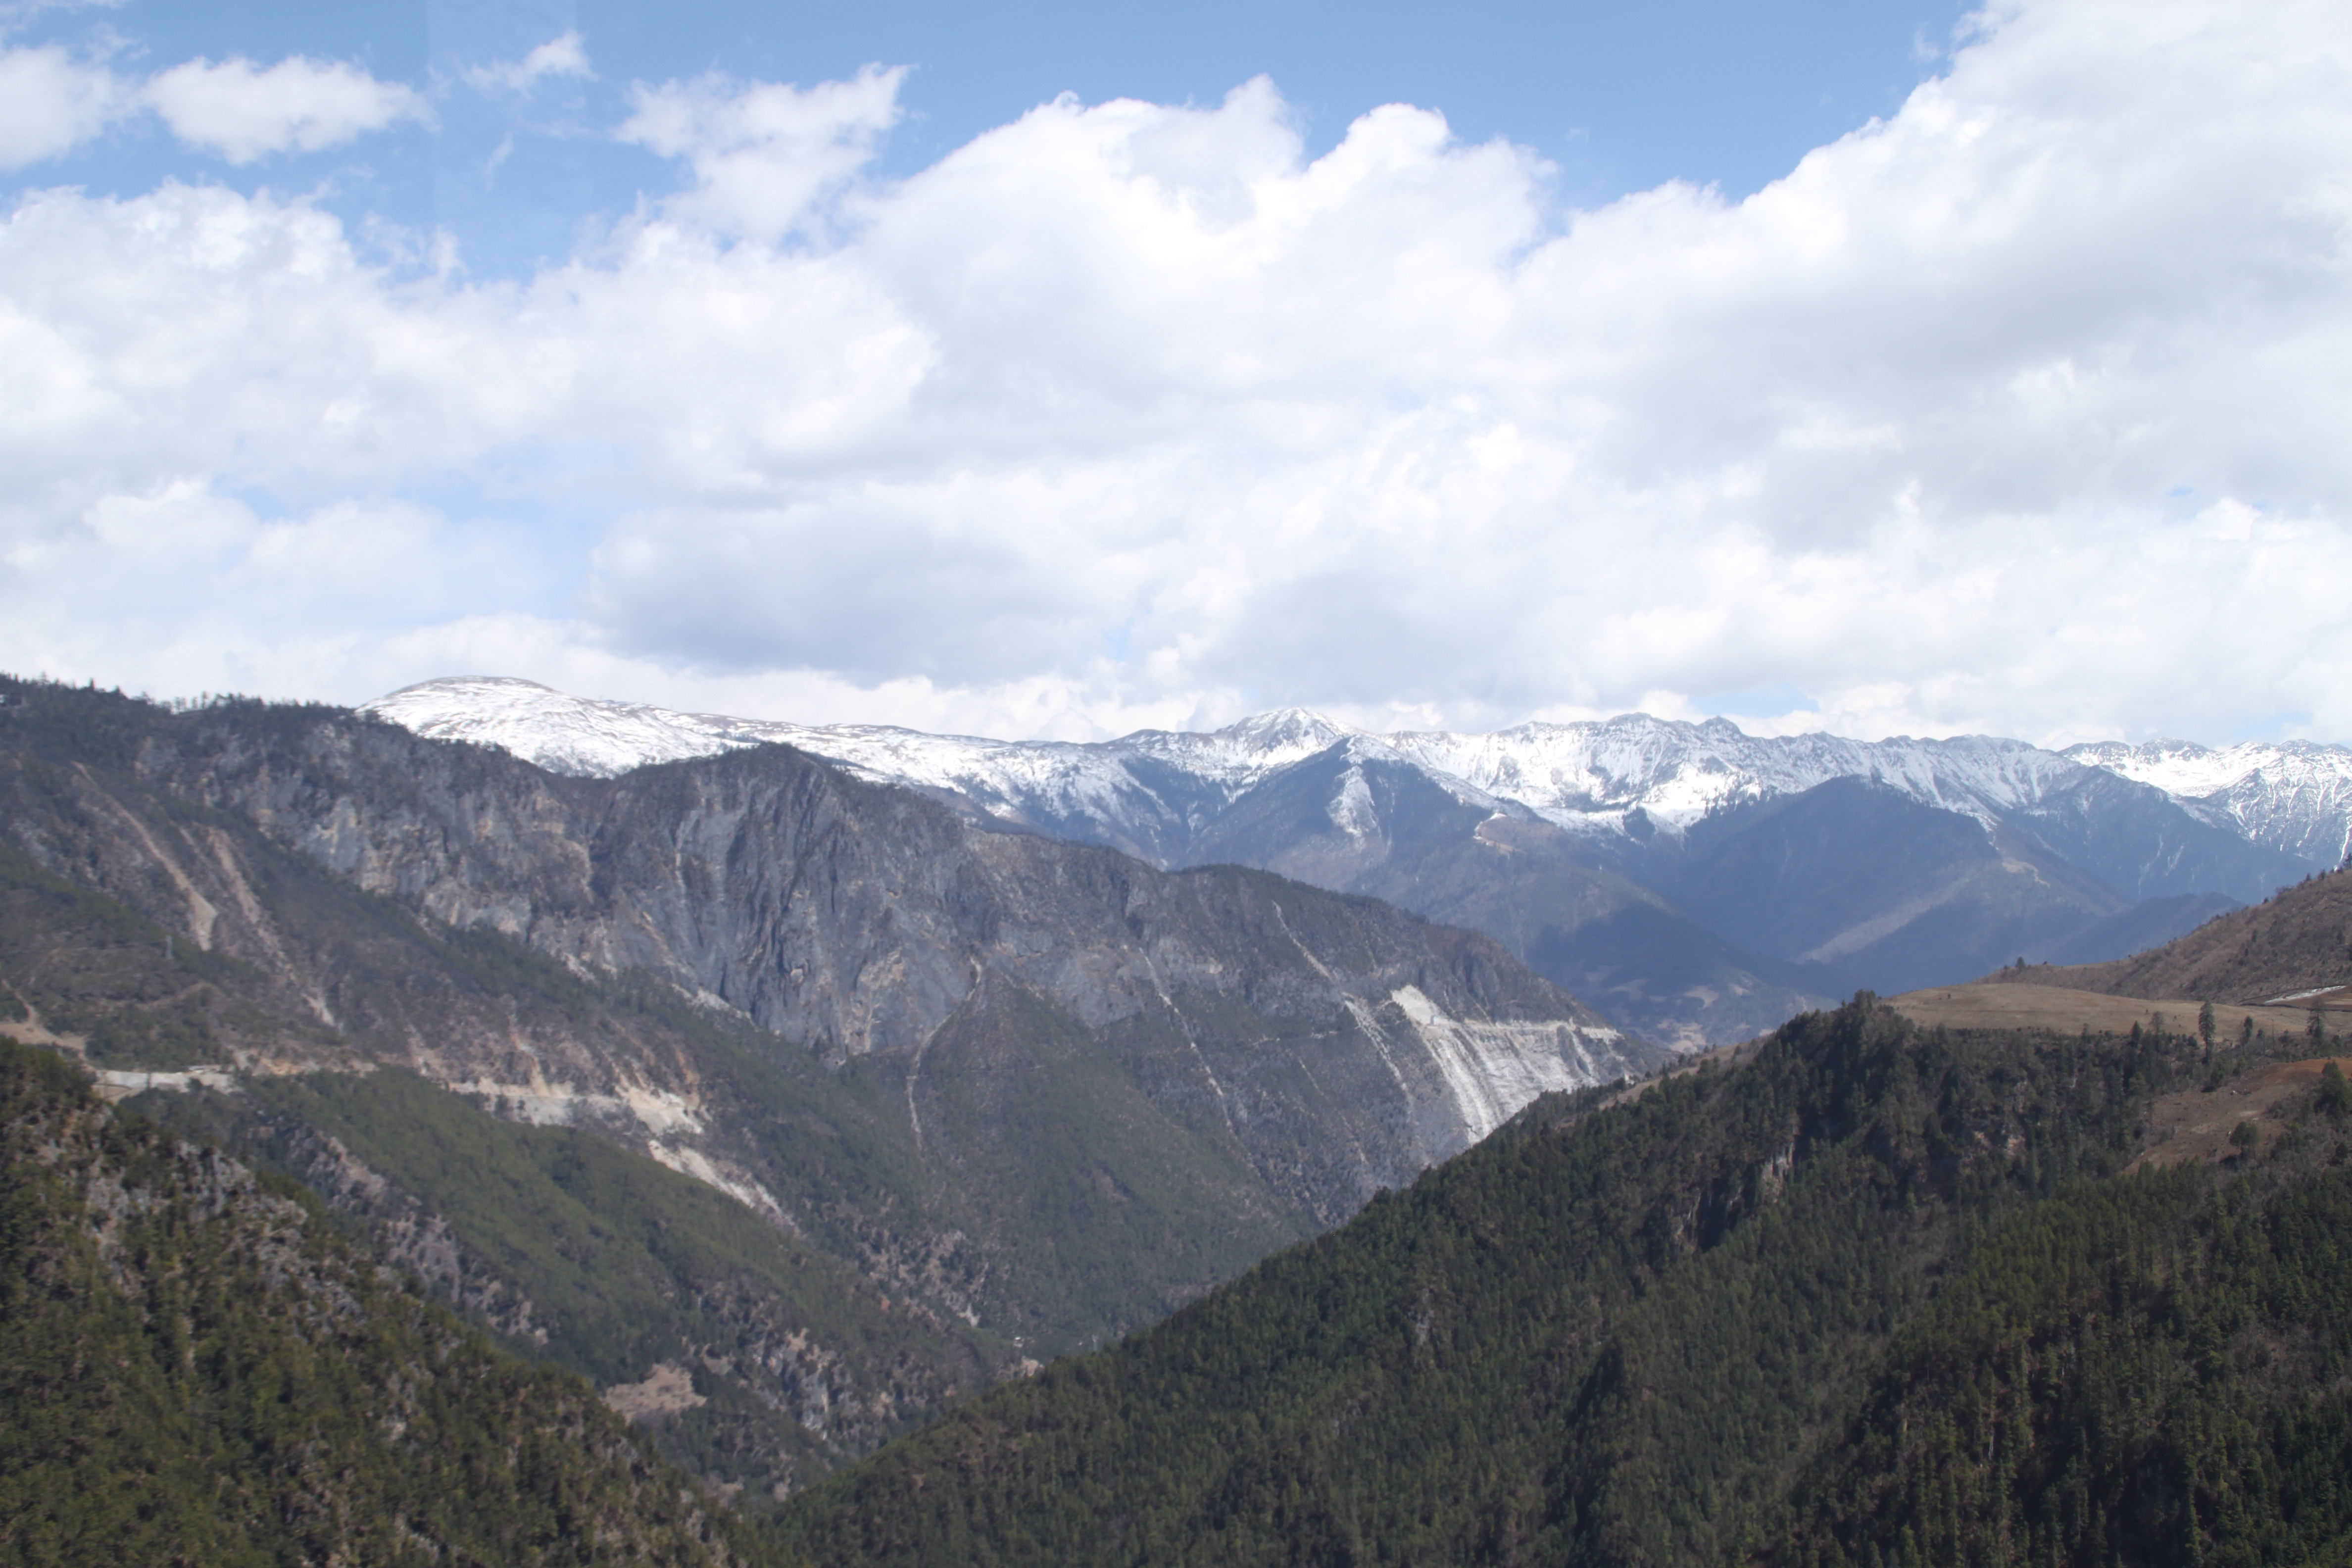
(1877, 1294)
(195, 1367)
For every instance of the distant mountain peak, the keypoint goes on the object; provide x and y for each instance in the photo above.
(561, 733)
(1288, 728)
(1551, 803)
(2294, 795)
(1587, 776)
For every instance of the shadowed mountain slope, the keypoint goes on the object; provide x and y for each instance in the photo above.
(1856, 874)
(1384, 827)
(557, 1239)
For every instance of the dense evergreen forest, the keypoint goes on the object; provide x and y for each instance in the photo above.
(1878, 1295)
(196, 1367)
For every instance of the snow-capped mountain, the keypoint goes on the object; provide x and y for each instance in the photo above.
(594, 738)
(1149, 792)
(583, 736)
(2294, 795)
(1593, 776)
(1694, 881)
(1587, 777)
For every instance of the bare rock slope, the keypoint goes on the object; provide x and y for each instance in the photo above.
(1042, 1086)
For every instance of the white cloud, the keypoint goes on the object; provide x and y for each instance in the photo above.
(762, 153)
(562, 56)
(51, 103)
(245, 113)
(2020, 411)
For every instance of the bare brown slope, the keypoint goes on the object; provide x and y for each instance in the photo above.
(2296, 943)
(1981, 1004)
(2196, 1124)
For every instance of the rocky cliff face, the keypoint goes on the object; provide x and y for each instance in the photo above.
(858, 920)
(1080, 1089)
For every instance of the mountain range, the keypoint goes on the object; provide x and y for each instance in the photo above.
(806, 1115)
(787, 1106)
(1694, 883)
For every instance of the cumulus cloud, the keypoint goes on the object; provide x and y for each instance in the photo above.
(245, 113)
(2018, 411)
(51, 103)
(762, 153)
(566, 55)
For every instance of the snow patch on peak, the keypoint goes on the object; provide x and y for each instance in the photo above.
(1592, 775)
(564, 735)
(1148, 790)
(2176, 767)
(1240, 754)
(1352, 811)
(1294, 732)
(2294, 795)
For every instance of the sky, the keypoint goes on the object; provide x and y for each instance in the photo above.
(1041, 370)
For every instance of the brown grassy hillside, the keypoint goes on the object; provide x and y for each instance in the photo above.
(2298, 942)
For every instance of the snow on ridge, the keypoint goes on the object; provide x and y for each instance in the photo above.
(599, 738)
(2185, 768)
(1593, 775)
(2294, 795)
(1590, 776)
(561, 733)
(1242, 753)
